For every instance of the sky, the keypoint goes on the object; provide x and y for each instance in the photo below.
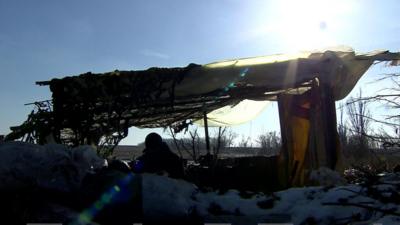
(45, 39)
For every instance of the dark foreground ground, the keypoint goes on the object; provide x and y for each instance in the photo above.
(53, 184)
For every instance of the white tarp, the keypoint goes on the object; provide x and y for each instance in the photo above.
(240, 113)
(340, 67)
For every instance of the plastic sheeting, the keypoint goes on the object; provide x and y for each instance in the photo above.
(159, 97)
(339, 67)
(240, 113)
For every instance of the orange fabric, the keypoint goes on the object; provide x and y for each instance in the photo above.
(300, 134)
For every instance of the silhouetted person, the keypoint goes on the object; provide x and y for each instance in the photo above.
(157, 157)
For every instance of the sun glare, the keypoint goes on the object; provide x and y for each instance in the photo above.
(309, 24)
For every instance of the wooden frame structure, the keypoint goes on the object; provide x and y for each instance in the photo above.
(94, 108)
(309, 133)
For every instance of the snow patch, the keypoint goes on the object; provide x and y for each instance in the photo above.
(52, 166)
(320, 205)
(326, 177)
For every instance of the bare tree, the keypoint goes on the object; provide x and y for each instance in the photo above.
(360, 142)
(389, 97)
(342, 128)
(359, 115)
(195, 144)
(222, 139)
(191, 145)
(175, 141)
(270, 142)
(359, 120)
(244, 142)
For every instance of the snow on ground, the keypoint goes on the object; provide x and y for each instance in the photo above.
(58, 168)
(307, 205)
(52, 166)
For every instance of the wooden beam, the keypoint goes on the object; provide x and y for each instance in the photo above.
(309, 134)
(284, 158)
(324, 128)
(206, 132)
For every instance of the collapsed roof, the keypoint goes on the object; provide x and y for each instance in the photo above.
(160, 97)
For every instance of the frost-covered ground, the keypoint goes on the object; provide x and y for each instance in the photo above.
(51, 166)
(56, 168)
(308, 205)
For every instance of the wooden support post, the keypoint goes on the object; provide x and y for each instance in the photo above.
(284, 156)
(332, 137)
(323, 129)
(206, 132)
(309, 134)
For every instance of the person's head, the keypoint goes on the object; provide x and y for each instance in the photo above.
(153, 140)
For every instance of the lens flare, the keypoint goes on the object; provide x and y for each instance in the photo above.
(112, 193)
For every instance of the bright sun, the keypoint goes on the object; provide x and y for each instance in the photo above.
(308, 24)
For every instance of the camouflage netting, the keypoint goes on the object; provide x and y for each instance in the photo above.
(91, 106)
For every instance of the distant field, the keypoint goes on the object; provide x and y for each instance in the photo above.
(129, 152)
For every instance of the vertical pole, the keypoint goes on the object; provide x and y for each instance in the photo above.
(324, 145)
(329, 125)
(206, 132)
(284, 164)
(309, 133)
